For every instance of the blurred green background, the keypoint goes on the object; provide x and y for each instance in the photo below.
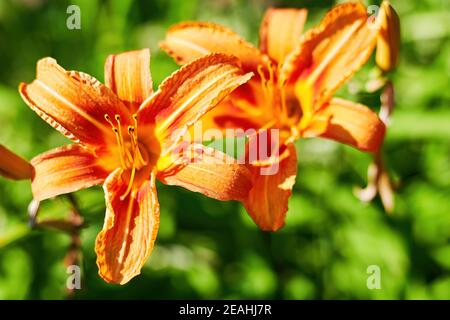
(211, 249)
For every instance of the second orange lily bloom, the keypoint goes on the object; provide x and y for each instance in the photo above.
(296, 77)
(124, 137)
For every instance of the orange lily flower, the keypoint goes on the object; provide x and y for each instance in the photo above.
(293, 92)
(124, 135)
(13, 166)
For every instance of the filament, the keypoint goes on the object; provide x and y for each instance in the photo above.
(130, 184)
(118, 134)
(263, 81)
(129, 159)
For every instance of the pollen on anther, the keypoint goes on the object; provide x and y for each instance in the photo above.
(108, 119)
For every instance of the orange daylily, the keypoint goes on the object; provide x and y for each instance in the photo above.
(124, 136)
(13, 166)
(293, 92)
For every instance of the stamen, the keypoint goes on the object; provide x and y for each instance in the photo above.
(122, 160)
(264, 82)
(117, 133)
(295, 134)
(131, 134)
(130, 153)
(140, 157)
(271, 75)
(108, 119)
(117, 117)
(130, 184)
(136, 154)
(135, 147)
(135, 122)
(270, 82)
(261, 72)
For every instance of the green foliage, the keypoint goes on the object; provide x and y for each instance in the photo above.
(211, 249)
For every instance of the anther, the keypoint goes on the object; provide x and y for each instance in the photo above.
(117, 117)
(137, 156)
(133, 141)
(108, 119)
(135, 118)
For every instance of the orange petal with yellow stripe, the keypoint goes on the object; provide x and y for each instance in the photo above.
(129, 230)
(74, 103)
(281, 30)
(189, 40)
(128, 75)
(267, 201)
(67, 169)
(331, 53)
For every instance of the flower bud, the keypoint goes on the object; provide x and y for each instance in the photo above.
(388, 44)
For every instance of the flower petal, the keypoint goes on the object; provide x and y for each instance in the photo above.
(130, 228)
(331, 53)
(128, 75)
(14, 167)
(188, 94)
(190, 40)
(351, 123)
(280, 31)
(267, 201)
(211, 173)
(74, 103)
(67, 169)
